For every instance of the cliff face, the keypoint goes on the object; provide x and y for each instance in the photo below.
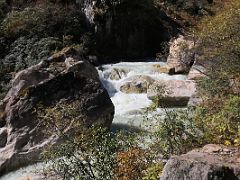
(133, 29)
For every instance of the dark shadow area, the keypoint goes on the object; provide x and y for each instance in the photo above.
(133, 29)
(223, 173)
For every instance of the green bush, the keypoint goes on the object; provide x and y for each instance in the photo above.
(175, 132)
(153, 172)
(220, 124)
(5, 78)
(25, 52)
(92, 152)
(44, 22)
(220, 51)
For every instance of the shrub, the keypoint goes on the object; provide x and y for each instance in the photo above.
(5, 78)
(221, 124)
(25, 52)
(175, 132)
(44, 22)
(90, 155)
(219, 48)
(3, 9)
(153, 172)
(92, 152)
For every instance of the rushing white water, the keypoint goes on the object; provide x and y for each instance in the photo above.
(129, 108)
(27, 173)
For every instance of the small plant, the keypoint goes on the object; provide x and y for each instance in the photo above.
(175, 132)
(153, 172)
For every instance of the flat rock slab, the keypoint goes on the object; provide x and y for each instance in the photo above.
(172, 93)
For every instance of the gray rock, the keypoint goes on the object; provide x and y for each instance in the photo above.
(196, 72)
(117, 74)
(172, 93)
(181, 55)
(212, 162)
(48, 83)
(3, 137)
(137, 84)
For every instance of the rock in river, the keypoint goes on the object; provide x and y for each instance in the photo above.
(172, 93)
(137, 84)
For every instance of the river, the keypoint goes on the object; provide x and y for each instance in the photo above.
(129, 108)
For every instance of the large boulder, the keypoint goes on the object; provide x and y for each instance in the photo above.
(137, 84)
(42, 86)
(208, 163)
(172, 93)
(181, 55)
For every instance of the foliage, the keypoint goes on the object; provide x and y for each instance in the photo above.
(91, 155)
(219, 51)
(90, 152)
(5, 78)
(3, 9)
(220, 124)
(44, 22)
(153, 172)
(25, 52)
(175, 132)
(132, 163)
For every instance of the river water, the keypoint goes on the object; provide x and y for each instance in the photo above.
(129, 108)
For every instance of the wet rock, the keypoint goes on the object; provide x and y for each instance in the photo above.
(48, 83)
(137, 84)
(161, 69)
(117, 74)
(181, 55)
(208, 163)
(172, 93)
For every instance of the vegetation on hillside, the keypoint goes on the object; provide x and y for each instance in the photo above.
(220, 53)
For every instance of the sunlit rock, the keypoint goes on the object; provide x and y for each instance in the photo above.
(137, 84)
(172, 93)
